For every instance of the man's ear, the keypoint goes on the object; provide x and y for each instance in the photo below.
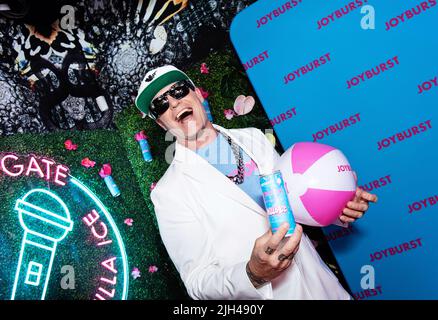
(199, 94)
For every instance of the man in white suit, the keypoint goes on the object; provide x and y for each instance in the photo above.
(210, 210)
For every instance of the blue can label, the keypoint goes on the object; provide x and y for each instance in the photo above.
(276, 202)
(145, 150)
(207, 110)
(113, 188)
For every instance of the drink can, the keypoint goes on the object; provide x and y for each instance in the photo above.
(112, 186)
(207, 110)
(276, 202)
(145, 150)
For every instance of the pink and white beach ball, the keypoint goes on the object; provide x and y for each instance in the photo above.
(319, 182)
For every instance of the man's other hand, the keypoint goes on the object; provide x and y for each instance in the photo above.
(356, 208)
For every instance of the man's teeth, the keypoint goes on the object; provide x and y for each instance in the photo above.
(182, 112)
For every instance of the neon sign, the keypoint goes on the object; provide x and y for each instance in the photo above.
(43, 229)
(109, 264)
(60, 222)
(14, 166)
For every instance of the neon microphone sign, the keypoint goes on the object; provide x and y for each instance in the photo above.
(61, 222)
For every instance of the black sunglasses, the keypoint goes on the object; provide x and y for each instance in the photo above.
(178, 91)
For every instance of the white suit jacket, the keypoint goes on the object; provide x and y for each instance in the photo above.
(209, 225)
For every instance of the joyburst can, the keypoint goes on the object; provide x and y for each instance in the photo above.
(145, 150)
(112, 186)
(206, 106)
(276, 202)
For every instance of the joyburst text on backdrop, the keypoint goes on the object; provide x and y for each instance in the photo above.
(360, 76)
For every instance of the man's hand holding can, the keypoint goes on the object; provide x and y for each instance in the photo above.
(271, 256)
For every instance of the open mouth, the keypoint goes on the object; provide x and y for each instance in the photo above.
(184, 114)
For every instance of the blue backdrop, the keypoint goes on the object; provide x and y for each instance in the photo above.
(372, 93)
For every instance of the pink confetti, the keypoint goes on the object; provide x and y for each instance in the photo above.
(69, 145)
(135, 273)
(229, 114)
(204, 68)
(153, 269)
(129, 221)
(204, 94)
(87, 163)
(153, 185)
(105, 170)
(140, 136)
